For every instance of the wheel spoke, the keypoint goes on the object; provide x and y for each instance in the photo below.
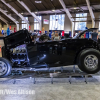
(3, 68)
(91, 62)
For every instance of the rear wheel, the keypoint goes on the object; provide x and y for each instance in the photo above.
(5, 67)
(89, 61)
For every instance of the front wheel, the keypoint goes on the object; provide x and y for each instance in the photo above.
(89, 61)
(5, 67)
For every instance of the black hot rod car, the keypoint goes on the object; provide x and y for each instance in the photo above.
(20, 52)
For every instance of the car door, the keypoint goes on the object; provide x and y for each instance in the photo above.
(57, 53)
(50, 52)
(68, 51)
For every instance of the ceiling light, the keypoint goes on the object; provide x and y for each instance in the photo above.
(75, 8)
(53, 10)
(21, 13)
(36, 12)
(38, 1)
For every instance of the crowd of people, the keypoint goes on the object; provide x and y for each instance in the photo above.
(94, 35)
(7, 32)
(54, 36)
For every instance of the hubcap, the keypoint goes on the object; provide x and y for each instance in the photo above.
(91, 62)
(3, 68)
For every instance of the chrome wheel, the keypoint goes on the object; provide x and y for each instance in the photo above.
(91, 62)
(3, 68)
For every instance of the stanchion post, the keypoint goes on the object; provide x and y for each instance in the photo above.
(51, 80)
(86, 79)
(14, 81)
(74, 69)
(62, 69)
(70, 79)
(34, 81)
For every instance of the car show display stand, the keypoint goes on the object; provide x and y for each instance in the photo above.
(74, 73)
(52, 73)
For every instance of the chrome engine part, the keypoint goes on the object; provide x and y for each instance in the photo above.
(19, 55)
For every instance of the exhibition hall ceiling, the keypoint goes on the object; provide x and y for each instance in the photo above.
(47, 7)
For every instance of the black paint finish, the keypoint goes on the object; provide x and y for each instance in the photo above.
(52, 53)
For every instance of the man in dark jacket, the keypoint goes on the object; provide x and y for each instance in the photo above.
(94, 35)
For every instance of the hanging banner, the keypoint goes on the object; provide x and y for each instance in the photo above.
(46, 21)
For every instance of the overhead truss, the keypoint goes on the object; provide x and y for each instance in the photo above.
(11, 18)
(14, 10)
(69, 15)
(33, 14)
(4, 20)
(91, 13)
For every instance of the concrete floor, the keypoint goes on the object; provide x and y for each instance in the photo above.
(60, 90)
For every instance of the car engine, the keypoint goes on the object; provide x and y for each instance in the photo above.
(19, 56)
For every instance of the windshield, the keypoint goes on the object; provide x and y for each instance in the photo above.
(77, 35)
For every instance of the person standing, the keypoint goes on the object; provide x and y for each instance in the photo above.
(94, 35)
(2, 31)
(57, 37)
(50, 35)
(53, 35)
(8, 31)
(99, 37)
